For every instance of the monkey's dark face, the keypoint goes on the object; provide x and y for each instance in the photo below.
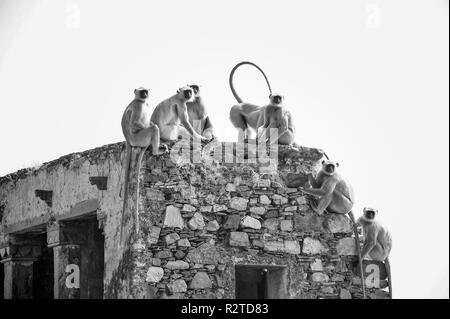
(277, 99)
(370, 214)
(195, 88)
(141, 93)
(187, 94)
(330, 168)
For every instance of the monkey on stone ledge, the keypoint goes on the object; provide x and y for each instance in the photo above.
(335, 195)
(139, 133)
(377, 240)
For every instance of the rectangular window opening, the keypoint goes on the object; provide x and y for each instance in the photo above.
(261, 282)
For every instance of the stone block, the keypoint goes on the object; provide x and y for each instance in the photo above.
(232, 222)
(250, 222)
(201, 280)
(286, 225)
(173, 217)
(338, 223)
(177, 265)
(239, 239)
(196, 222)
(346, 247)
(203, 254)
(177, 286)
(239, 203)
(171, 238)
(313, 247)
(292, 247)
(154, 274)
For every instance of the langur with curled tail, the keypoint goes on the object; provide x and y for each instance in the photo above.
(250, 117)
(139, 134)
(246, 116)
(377, 240)
(335, 195)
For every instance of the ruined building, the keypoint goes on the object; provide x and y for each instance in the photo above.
(212, 229)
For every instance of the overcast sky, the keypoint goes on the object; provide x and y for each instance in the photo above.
(367, 81)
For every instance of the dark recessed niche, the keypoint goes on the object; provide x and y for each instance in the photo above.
(46, 196)
(100, 181)
(260, 282)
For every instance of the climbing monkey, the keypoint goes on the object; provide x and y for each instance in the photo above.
(377, 240)
(334, 192)
(139, 134)
(276, 116)
(172, 117)
(198, 117)
(335, 195)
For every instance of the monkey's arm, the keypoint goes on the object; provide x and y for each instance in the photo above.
(312, 181)
(326, 189)
(184, 118)
(135, 123)
(369, 240)
(266, 123)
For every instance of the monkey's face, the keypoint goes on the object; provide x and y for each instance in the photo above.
(369, 214)
(186, 93)
(195, 88)
(141, 93)
(329, 167)
(276, 99)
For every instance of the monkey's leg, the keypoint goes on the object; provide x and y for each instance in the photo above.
(324, 202)
(287, 138)
(155, 140)
(358, 251)
(388, 270)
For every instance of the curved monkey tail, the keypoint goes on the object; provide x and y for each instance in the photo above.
(125, 193)
(358, 251)
(237, 97)
(387, 264)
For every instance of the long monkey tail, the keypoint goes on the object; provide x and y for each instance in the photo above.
(358, 251)
(388, 270)
(237, 97)
(136, 213)
(125, 193)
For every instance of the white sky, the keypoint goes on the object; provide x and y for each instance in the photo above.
(367, 81)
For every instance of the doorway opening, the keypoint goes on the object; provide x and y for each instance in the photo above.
(2, 278)
(93, 260)
(43, 274)
(261, 282)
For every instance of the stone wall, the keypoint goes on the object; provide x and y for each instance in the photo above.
(198, 221)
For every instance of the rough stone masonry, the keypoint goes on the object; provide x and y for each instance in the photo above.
(198, 222)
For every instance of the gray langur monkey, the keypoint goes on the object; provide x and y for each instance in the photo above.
(335, 195)
(139, 133)
(246, 116)
(198, 117)
(377, 240)
(276, 116)
(172, 117)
